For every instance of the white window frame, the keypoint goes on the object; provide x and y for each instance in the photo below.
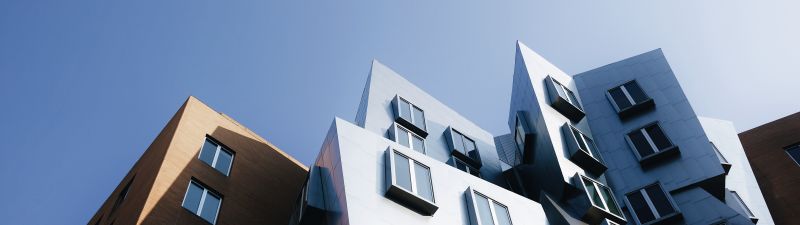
(413, 175)
(627, 95)
(567, 91)
(492, 209)
(206, 191)
(582, 138)
(216, 156)
(410, 137)
(412, 116)
(603, 201)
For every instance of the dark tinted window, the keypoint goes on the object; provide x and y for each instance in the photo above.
(660, 201)
(402, 137)
(794, 152)
(640, 207)
(658, 137)
(636, 92)
(619, 98)
(640, 143)
(419, 143)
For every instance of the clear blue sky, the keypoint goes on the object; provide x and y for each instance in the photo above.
(87, 85)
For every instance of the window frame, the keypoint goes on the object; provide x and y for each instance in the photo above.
(220, 148)
(795, 146)
(657, 154)
(564, 104)
(588, 159)
(409, 198)
(459, 151)
(474, 212)
(411, 135)
(634, 107)
(597, 185)
(657, 218)
(411, 123)
(469, 167)
(206, 191)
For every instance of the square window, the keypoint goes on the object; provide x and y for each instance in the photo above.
(651, 143)
(411, 116)
(405, 137)
(629, 99)
(461, 165)
(564, 100)
(202, 202)
(604, 204)
(409, 183)
(651, 204)
(463, 147)
(216, 156)
(485, 210)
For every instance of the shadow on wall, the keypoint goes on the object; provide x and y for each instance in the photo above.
(261, 188)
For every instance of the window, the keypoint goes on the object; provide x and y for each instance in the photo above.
(629, 98)
(202, 202)
(519, 135)
(408, 138)
(601, 197)
(564, 100)
(651, 204)
(410, 116)
(650, 141)
(411, 183)
(794, 153)
(216, 156)
(582, 150)
(123, 194)
(461, 165)
(743, 206)
(464, 147)
(486, 211)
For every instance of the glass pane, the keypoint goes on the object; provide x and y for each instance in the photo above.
(660, 201)
(419, 144)
(658, 137)
(590, 147)
(484, 213)
(224, 162)
(640, 207)
(636, 92)
(423, 176)
(619, 98)
(192, 199)
(402, 172)
(419, 118)
(519, 137)
(640, 143)
(794, 152)
(210, 208)
(503, 217)
(573, 99)
(578, 136)
(402, 137)
(458, 142)
(405, 110)
(593, 195)
(208, 152)
(472, 151)
(610, 201)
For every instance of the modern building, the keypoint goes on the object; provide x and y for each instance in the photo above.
(205, 168)
(774, 152)
(619, 144)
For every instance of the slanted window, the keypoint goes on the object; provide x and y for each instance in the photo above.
(216, 156)
(582, 150)
(743, 206)
(123, 194)
(485, 210)
(564, 100)
(601, 198)
(461, 165)
(410, 116)
(650, 143)
(410, 183)
(629, 99)
(794, 153)
(407, 138)
(651, 204)
(463, 147)
(202, 202)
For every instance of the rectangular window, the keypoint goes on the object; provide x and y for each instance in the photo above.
(412, 176)
(649, 140)
(519, 135)
(601, 196)
(585, 143)
(202, 202)
(461, 165)
(563, 100)
(651, 203)
(794, 153)
(408, 138)
(627, 95)
(216, 156)
(410, 113)
(487, 211)
(567, 94)
(464, 145)
(409, 183)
